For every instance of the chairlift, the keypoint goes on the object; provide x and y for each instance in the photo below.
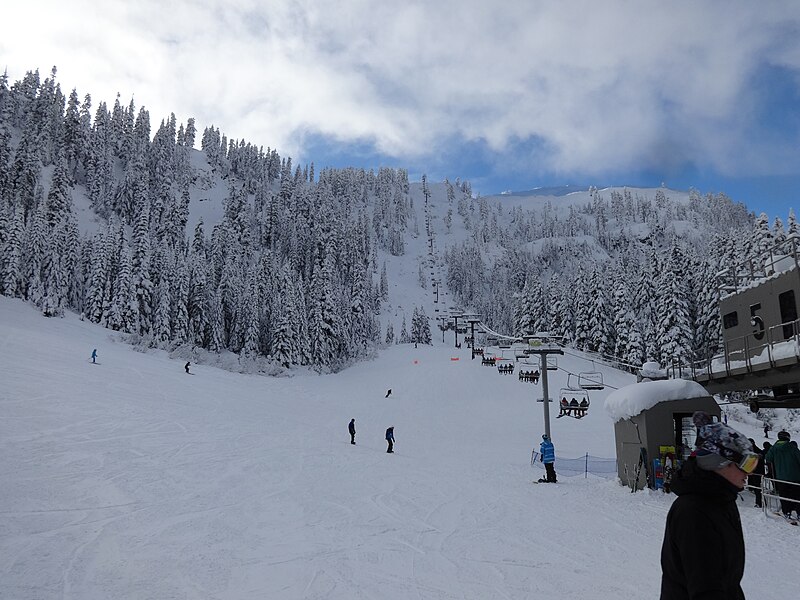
(552, 362)
(590, 380)
(574, 403)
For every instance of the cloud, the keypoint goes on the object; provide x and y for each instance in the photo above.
(584, 87)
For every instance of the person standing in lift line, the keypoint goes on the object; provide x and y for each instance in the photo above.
(702, 555)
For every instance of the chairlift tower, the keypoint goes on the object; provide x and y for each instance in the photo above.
(544, 353)
(443, 325)
(456, 316)
(472, 319)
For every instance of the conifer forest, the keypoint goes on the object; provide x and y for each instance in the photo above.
(294, 271)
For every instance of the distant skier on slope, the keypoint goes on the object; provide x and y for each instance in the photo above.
(388, 393)
(390, 440)
(186, 367)
(352, 429)
(94, 355)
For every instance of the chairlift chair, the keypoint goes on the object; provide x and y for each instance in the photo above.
(552, 362)
(577, 403)
(590, 380)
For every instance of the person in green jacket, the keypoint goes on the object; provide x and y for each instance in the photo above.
(785, 460)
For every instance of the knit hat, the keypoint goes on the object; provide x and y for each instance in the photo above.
(784, 435)
(717, 444)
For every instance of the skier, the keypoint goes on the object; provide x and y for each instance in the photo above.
(767, 467)
(584, 407)
(785, 461)
(186, 367)
(390, 440)
(352, 429)
(94, 355)
(573, 404)
(548, 457)
(669, 469)
(766, 430)
(564, 408)
(536, 376)
(703, 550)
(754, 481)
(388, 393)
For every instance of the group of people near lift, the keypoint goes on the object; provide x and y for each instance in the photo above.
(574, 408)
(703, 552)
(781, 463)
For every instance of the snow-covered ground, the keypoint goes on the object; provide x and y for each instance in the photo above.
(131, 479)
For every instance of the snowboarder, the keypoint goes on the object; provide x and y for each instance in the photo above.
(703, 549)
(186, 367)
(390, 440)
(352, 429)
(94, 355)
(388, 393)
(548, 457)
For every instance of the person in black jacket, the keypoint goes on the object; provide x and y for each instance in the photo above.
(352, 429)
(754, 480)
(703, 551)
(390, 440)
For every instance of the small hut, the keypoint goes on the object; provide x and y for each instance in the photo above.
(653, 418)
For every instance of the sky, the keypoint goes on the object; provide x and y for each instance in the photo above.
(541, 93)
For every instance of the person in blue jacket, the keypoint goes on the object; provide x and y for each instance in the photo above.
(548, 457)
(94, 355)
(390, 440)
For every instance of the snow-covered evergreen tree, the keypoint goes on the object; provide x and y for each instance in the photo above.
(404, 337)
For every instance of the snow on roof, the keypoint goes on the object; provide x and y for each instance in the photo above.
(629, 401)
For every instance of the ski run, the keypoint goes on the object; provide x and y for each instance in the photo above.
(129, 480)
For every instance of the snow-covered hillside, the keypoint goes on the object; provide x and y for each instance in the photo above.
(131, 479)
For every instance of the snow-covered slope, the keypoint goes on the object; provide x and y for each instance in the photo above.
(131, 479)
